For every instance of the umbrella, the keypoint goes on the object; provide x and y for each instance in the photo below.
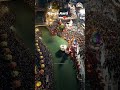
(38, 83)
(42, 61)
(38, 47)
(36, 44)
(36, 29)
(40, 53)
(38, 50)
(42, 65)
(36, 41)
(41, 57)
(42, 71)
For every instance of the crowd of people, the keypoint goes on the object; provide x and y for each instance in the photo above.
(67, 34)
(108, 31)
(43, 62)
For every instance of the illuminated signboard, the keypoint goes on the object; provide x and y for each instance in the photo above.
(64, 12)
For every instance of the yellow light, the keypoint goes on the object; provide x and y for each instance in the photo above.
(38, 47)
(36, 41)
(38, 84)
(42, 65)
(41, 57)
(53, 10)
(36, 44)
(36, 29)
(50, 20)
(38, 50)
(40, 53)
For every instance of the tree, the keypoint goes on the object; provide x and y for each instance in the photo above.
(55, 5)
(61, 27)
